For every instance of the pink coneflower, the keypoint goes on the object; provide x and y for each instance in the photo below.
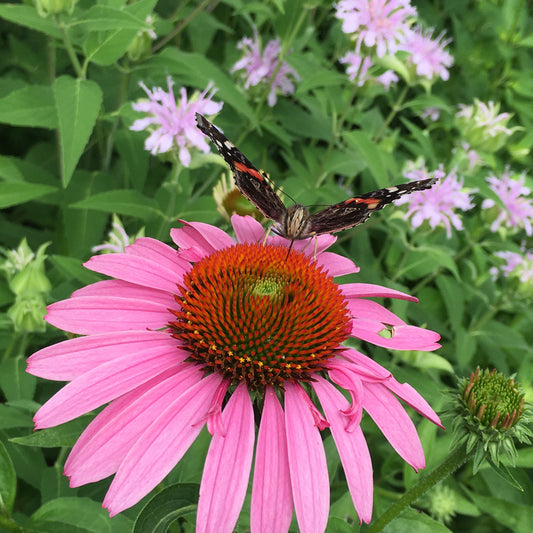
(358, 67)
(262, 67)
(171, 124)
(427, 54)
(382, 24)
(205, 334)
(518, 208)
(438, 204)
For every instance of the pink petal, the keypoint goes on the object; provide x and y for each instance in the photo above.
(335, 264)
(307, 462)
(227, 467)
(351, 445)
(247, 229)
(156, 250)
(271, 509)
(369, 310)
(161, 446)
(135, 269)
(124, 289)
(70, 359)
(365, 290)
(101, 448)
(364, 366)
(403, 337)
(202, 237)
(105, 383)
(98, 314)
(412, 398)
(394, 422)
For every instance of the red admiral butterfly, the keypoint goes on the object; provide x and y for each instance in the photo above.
(296, 222)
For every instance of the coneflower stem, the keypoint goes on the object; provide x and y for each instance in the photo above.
(456, 459)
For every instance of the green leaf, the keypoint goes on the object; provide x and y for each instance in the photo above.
(130, 146)
(64, 435)
(30, 106)
(82, 514)
(15, 382)
(166, 506)
(77, 106)
(102, 18)
(8, 481)
(453, 295)
(516, 517)
(10, 417)
(374, 157)
(107, 47)
(71, 268)
(123, 202)
(415, 522)
(28, 16)
(15, 193)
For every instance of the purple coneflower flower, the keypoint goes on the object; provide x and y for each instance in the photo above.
(427, 54)
(262, 67)
(518, 209)
(171, 123)
(202, 335)
(382, 24)
(438, 204)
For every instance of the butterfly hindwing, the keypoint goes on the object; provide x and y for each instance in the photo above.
(251, 182)
(355, 211)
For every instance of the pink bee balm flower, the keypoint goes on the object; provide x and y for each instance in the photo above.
(517, 265)
(171, 124)
(438, 206)
(376, 23)
(518, 209)
(206, 334)
(358, 69)
(263, 67)
(427, 54)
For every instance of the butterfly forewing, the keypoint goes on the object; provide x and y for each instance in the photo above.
(355, 211)
(251, 182)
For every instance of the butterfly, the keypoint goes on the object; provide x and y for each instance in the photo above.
(295, 222)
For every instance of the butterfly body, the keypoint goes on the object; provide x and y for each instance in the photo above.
(296, 222)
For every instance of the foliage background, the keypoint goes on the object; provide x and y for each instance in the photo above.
(69, 162)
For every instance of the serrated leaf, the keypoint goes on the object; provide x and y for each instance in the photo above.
(77, 105)
(8, 481)
(166, 506)
(64, 435)
(121, 202)
(28, 16)
(15, 193)
(30, 106)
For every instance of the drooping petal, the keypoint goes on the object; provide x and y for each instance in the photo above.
(368, 290)
(227, 467)
(100, 449)
(99, 314)
(136, 269)
(272, 505)
(162, 445)
(351, 445)
(307, 462)
(105, 383)
(394, 422)
(402, 337)
(70, 359)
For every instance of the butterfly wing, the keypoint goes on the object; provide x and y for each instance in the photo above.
(355, 211)
(252, 183)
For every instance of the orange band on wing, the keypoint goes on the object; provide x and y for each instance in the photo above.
(243, 168)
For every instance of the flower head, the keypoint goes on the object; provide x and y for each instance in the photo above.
(171, 123)
(518, 208)
(427, 54)
(202, 335)
(382, 24)
(118, 238)
(516, 265)
(358, 68)
(264, 67)
(482, 126)
(438, 204)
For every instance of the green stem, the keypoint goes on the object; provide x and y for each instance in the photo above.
(456, 459)
(70, 49)
(395, 108)
(174, 187)
(7, 524)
